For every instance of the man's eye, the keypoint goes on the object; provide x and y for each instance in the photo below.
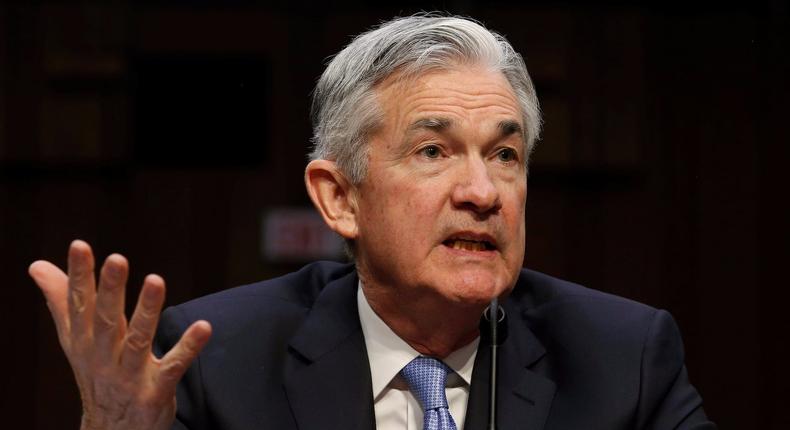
(507, 154)
(431, 151)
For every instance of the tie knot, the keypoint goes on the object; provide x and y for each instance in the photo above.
(426, 377)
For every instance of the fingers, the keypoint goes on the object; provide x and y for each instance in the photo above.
(109, 322)
(54, 284)
(177, 360)
(136, 349)
(82, 288)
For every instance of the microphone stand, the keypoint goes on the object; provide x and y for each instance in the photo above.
(494, 315)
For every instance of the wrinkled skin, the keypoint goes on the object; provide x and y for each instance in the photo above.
(438, 221)
(122, 384)
(448, 162)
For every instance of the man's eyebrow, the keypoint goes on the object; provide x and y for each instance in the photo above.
(433, 123)
(438, 124)
(509, 127)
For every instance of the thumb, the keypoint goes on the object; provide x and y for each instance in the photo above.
(54, 284)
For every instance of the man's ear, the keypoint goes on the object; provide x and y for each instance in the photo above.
(333, 195)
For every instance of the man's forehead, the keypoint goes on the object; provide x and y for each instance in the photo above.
(464, 86)
(402, 82)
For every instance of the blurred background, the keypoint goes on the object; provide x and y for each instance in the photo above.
(175, 132)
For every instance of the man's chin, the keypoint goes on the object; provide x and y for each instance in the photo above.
(475, 288)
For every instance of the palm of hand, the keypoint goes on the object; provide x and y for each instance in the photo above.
(122, 384)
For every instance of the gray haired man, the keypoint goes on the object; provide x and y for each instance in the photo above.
(423, 128)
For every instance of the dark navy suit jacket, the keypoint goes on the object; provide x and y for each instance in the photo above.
(288, 353)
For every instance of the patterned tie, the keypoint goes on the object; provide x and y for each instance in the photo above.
(426, 377)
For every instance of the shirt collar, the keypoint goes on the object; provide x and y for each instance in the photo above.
(388, 353)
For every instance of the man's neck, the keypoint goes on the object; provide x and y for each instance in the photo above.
(429, 324)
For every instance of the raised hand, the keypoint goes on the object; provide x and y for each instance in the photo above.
(122, 384)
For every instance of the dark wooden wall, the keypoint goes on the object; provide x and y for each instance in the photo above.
(661, 175)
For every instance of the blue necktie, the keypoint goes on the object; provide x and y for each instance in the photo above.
(426, 377)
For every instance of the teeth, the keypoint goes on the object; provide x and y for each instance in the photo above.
(468, 245)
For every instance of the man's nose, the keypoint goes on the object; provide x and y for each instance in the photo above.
(474, 189)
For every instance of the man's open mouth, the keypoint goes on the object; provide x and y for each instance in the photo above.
(469, 244)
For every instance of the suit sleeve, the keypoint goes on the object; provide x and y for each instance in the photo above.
(190, 409)
(667, 398)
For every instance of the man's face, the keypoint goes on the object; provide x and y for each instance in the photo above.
(441, 210)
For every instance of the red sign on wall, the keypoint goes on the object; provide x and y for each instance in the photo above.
(298, 235)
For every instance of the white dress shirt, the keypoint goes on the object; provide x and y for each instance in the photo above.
(395, 406)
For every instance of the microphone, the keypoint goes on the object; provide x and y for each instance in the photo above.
(493, 330)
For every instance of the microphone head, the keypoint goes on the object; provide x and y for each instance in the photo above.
(493, 332)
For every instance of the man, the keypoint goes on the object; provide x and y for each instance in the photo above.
(423, 128)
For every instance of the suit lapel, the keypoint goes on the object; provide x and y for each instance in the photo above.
(524, 396)
(327, 376)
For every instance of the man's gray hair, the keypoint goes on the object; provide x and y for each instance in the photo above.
(345, 110)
